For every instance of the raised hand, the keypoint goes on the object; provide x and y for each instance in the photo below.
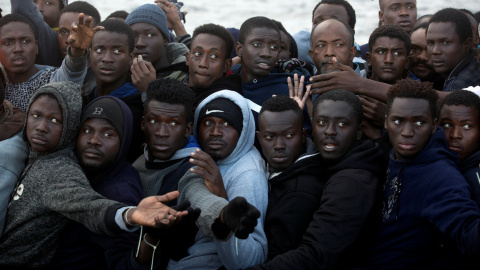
(152, 212)
(296, 90)
(81, 35)
(345, 78)
(240, 217)
(209, 171)
(174, 16)
(143, 73)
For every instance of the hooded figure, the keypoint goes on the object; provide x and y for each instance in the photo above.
(51, 190)
(243, 173)
(80, 248)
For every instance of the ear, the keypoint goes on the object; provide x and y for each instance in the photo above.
(165, 41)
(467, 44)
(142, 126)
(36, 47)
(257, 133)
(310, 51)
(304, 135)
(238, 48)
(369, 57)
(228, 65)
(353, 51)
(360, 132)
(380, 16)
(434, 126)
(131, 56)
(187, 57)
(188, 129)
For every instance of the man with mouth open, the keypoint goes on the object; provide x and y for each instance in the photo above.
(338, 185)
(425, 196)
(450, 49)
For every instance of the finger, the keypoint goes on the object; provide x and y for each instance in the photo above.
(337, 65)
(300, 86)
(202, 173)
(80, 17)
(307, 94)
(88, 21)
(168, 197)
(150, 66)
(98, 28)
(202, 165)
(290, 87)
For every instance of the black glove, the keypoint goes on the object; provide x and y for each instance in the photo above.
(240, 217)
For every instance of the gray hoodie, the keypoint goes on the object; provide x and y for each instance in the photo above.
(51, 190)
(243, 173)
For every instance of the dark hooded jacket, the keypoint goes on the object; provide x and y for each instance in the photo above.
(82, 249)
(51, 190)
(470, 169)
(343, 223)
(425, 197)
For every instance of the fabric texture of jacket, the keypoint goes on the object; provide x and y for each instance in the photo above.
(51, 190)
(424, 197)
(465, 74)
(243, 173)
(343, 223)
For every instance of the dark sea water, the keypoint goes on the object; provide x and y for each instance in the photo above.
(295, 15)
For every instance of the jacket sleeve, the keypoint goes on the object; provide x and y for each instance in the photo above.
(72, 69)
(347, 201)
(71, 195)
(192, 188)
(237, 253)
(48, 51)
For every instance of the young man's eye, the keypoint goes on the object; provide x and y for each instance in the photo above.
(446, 125)
(149, 35)
(290, 135)
(174, 123)
(268, 137)
(339, 44)
(322, 122)
(25, 41)
(99, 50)
(208, 123)
(197, 54)
(152, 121)
(213, 56)
(411, 7)
(396, 53)
(55, 120)
(117, 51)
(342, 124)
(63, 32)
(467, 126)
(35, 115)
(87, 131)
(273, 47)
(48, 3)
(445, 43)
(419, 123)
(381, 52)
(397, 121)
(108, 134)
(320, 45)
(256, 44)
(226, 124)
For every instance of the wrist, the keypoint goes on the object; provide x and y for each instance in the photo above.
(127, 217)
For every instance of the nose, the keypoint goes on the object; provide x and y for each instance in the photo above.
(403, 11)
(278, 143)
(436, 49)
(107, 56)
(423, 55)
(18, 47)
(266, 52)
(94, 139)
(455, 133)
(42, 126)
(39, 6)
(162, 130)
(407, 130)
(139, 42)
(216, 131)
(330, 130)
(388, 58)
(329, 51)
(203, 63)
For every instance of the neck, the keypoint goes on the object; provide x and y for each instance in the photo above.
(22, 76)
(106, 89)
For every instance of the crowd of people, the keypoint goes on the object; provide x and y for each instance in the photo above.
(128, 143)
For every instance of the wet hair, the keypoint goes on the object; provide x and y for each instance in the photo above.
(391, 31)
(281, 103)
(85, 8)
(293, 44)
(216, 30)
(352, 18)
(171, 91)
(15, 17)
(464, 98)
(342, 95)
(118, 14)
(407, 88)
(419, 26)
(462, 24)
(255, 22)
(349, 29)
(120, 27)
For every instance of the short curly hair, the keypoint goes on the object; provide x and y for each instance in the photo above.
(216, 30)
(281, 103)
(342, 95)
(171, 91)
(407, 88)
(352, 17)
(390, 31)
(120, 27)
(463, 27)
(462, 97)
(255, 22)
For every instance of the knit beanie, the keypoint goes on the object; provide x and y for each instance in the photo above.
(106, 108)
(151, 14)
(225, 109)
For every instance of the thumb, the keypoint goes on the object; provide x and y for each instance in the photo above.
(168, 197)
(337, 64)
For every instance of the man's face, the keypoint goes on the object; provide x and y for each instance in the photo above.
(149, 42)
(335, 129)
(331, 39)
(284, 47)
(461, 126)
(18, 50)
(207, 61)
(98, 144)
(282, 138)
(217, 137)
(329, 11)
(259, 53)
(64, 28)
(166, 129)
(50, 10)
(388, 60)
(419, 63)
(444, 47)
(44, 124)
(398, 12)
(474, 23)
(109, 58)
(409, 124)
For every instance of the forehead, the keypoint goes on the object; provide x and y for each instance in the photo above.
(271, 120)
(163, 108)
(208, 41)
(331, 28)
(16, 29)
(143, 27)
(110, 38)
(460, 110)
(386, 3)
(410, 107)
(332, 11)
(438, 30)
(263, 33)
(334, 109)
(67, 18)
(46, 103)
(98, 123)
(389, 43)
(418, 35)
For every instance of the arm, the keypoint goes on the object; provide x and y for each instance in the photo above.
(345, 205)
(48, 51)
(237, 253)
(174, 21)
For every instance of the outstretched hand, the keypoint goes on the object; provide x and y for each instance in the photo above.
(209, 171)
(296, 90)
(345, 78)
(81, 35)
(240, 217)
(143, 73)
(152, 212)
(174, 16)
